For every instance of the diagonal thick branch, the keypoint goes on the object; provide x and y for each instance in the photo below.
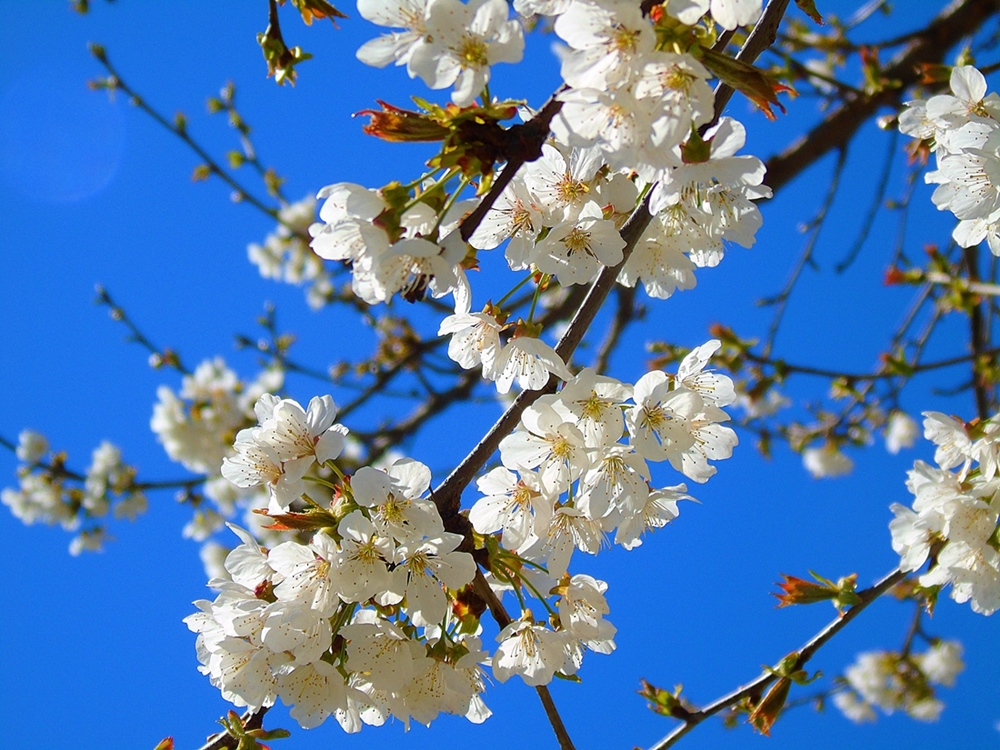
(448, 495)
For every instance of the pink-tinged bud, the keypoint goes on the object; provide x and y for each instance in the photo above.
(402, 125)
(760, 87)
(799, 591)
(893, 276)
(766, 712)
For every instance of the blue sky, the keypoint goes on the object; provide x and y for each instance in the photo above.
(95, 652)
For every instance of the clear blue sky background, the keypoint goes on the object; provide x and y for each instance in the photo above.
(94, 651)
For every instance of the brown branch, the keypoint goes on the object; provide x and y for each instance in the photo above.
(959, 19)
(858, 376)
(530, 135)
(483, 590)
(625, 313)
(116, 83)
(977, 338)
(756, 686)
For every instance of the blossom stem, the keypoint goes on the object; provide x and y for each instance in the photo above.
(463, 183)
(321, 481)
(534, 298)
(537, 594)
(517, 286)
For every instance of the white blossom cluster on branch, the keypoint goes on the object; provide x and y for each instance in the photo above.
(50, 493)
(367, 620)
(892, 681)
(956, 508)
(963, 130)
(286, 255)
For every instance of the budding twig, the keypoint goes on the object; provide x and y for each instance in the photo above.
(814, 644)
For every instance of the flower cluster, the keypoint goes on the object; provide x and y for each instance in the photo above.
(356, 623)
(955, 514)
(371, 618)
(892, 681)
(626, 127)
(963, 130)
(196, 427)
(286, 255)
(569, 445)
(284, 446)
(390, 249)
(50, 493)
(366, 620)
(444, 42)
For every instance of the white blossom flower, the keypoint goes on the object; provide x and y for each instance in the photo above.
(561, 184)
(310, 573)
(900, 432)
(826, 461)
(294, 432)
(606, 39)
(31, 447)
(516, 216)
(727, 13)
(516, 505)
(429, 564)
(362, 565)
(397, 47)
(475, 340)
(528, 362)
(582, 607)
(451, 687)
(383, 652)
(393, 497)
(257, 463)
(548, 442)
(462, 42)
(316, 691)
(596, 403)
(575, 252)
(530, 650)
(942, 662)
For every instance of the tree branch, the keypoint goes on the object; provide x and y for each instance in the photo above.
(115, 82)
(814, 644)
(958, 20)
(448, 495)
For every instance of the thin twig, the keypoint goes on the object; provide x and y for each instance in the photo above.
(814, 644)
(164, 356)
(955, 22)
(806, 258)
(876, 204)
(866, 376)
(213, 166)
(977, 342)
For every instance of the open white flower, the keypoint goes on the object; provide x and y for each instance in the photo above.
(528, 362)
(462, 42)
